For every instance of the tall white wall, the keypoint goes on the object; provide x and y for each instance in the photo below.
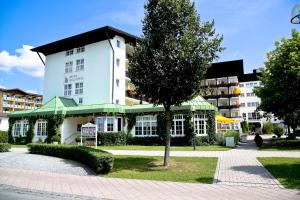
(96, 76)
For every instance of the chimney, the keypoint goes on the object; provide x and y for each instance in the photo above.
(254, 71)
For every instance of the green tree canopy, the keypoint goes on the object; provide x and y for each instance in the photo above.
(280, 94)
(173, 55)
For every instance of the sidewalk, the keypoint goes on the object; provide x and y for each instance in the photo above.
(126, 189)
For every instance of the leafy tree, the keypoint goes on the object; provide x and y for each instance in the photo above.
(280, 94)
(173, 55)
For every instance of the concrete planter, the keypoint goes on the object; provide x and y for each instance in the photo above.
(229, 142)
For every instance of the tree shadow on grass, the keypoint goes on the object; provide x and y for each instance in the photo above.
(140, 164)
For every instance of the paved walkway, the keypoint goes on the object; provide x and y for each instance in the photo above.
(126, 189)
(19, 158)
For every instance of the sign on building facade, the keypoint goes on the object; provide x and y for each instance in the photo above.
(88, 131)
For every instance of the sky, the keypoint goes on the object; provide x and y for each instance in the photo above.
(249, 28)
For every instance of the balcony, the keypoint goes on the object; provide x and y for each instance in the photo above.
(211, 96)
(233, 84)
(235, 106)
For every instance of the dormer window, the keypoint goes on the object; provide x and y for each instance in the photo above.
(69, 52)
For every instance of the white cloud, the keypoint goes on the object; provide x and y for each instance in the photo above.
(24, 60)
(2, 86)
(32, 91)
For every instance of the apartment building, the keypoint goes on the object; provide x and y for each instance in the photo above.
(16, 100)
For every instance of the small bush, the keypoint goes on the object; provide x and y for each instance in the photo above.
(232, 134)
(220, 139)
(3, 137)
(40, 141)
(245, 126)
(202, 141)
(112, 138)
(100, 161)
(258, 140)
(4, 147)
(55, 138)
(267, 128)
(278, 130)
(78, 139)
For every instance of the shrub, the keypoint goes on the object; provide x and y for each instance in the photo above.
(258, 140)
(278, 130)
(100, 161)
(232, 134)
(4, 147)
(220, 139)
(55, 138)
(245, 127)
(78, 139)
(20, 140)
(112, 138)
(40, 141)
(3, 137)
(267, 128)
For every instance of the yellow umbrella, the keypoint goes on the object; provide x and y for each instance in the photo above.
(221, 119)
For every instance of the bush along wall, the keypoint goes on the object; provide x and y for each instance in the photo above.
(4, 147)
(98, 160)
(3, 137)
(112, 138)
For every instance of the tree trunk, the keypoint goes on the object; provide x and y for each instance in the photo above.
(168, 136)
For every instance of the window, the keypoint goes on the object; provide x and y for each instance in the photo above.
(146, 125)
(66, 80)
(100, 123)
(25, 128)
(68, 90)
(80, 50)
(118, 44)
(80, 100)
(80, 65)
(41, 128)
(243, 105)
(69, 52)
(244, 115)
(17, 129)
(118, 62)
(117, 82)
(110, 124)
(242, 94)
(78, 88)
(241, 85)
(68, 67)
(177, 125)
(200, 124)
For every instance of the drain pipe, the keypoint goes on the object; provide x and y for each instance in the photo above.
(113, 68)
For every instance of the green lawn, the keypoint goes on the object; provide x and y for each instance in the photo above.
(161, 148)
(18, 146)
(182, 169)
(285, 170)
(282, 144)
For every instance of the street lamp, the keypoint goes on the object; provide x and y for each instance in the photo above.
(295, 14)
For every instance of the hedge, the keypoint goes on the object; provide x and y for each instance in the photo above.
(4, 147)
(112, 138)
(100, 161)
(3, 137)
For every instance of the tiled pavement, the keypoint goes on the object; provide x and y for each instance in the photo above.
(238, 176)
(125, 189)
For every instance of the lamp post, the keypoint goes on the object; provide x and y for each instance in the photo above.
(295, 14)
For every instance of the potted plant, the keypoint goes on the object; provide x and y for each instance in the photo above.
(55, 139)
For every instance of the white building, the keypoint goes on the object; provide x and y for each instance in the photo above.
(89, 68)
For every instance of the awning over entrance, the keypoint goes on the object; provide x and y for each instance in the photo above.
(221, 119)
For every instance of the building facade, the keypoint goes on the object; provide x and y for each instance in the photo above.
(85, 81)
(16, 100)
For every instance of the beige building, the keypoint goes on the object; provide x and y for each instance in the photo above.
(16, 100)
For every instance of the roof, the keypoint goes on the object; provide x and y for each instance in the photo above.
(250, 77)
(82, 39)
(61, 105)
(225, 69)
(17, 90)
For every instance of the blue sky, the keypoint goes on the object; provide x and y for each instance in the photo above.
(249, 29)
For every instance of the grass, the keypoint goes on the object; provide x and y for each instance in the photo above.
(181, 169)
(18, 146)
(161, 148)
(282, 144)
(285, 170)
